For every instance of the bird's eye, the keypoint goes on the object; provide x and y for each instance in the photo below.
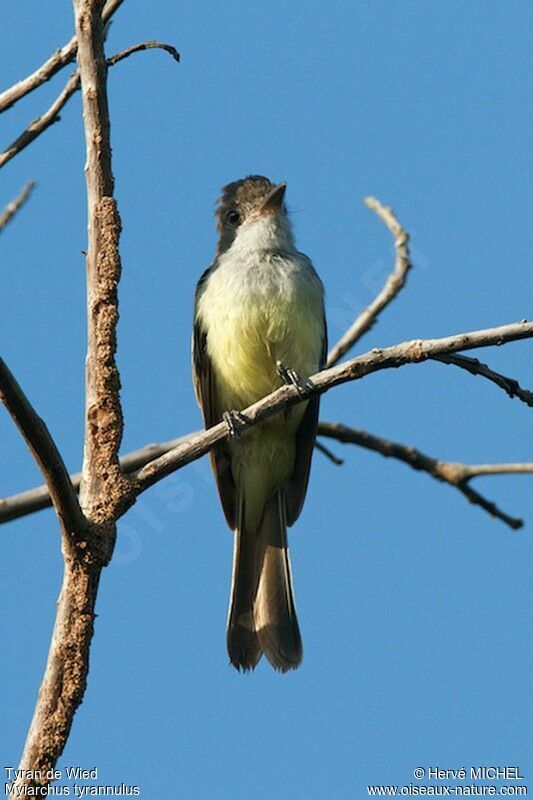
(233, 217)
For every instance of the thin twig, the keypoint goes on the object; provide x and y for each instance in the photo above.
(327, 452)
(455, 474)
(136, 48)
(393, 284)
(44, 451)
(475, 367)
(37, 126)
(11, 209)
(52, 114)
(51, 66)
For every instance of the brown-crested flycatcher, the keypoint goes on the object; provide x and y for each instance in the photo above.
(259, 322)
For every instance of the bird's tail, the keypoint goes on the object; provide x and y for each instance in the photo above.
(262, 615)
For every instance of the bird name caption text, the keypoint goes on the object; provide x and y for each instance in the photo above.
(43, 783)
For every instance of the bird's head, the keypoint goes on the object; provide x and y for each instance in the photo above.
(251, 215)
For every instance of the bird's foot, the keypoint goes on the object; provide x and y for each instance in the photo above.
(235, 422)
(291, 377)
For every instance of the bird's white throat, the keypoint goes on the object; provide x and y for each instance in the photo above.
(268, 232)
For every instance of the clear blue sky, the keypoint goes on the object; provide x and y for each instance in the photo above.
(415, 607)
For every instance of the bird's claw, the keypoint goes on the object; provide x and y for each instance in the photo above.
(234, 421)
(290, 377)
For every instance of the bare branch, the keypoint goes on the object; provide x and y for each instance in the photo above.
(24, 503)
(448, 472)
(475, 367)
(51, 115)
(455, 474)
(163, 459)
(136, 48)
(11, 209)
(393, 284)
(196, 445)
(43, 122)
(65, 677)
(39, 498)
(44, 451)
(475, 470)
(54, 64)
(28, 502)
(102, 478)
(103, 485)
(327, 452)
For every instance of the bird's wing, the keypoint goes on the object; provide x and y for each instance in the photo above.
(305, 442)
(206, 394)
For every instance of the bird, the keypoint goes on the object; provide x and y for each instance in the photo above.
(259, 323)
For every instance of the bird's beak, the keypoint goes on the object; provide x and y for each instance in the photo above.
(274, 201)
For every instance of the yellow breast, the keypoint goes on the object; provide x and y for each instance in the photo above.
(255, 315)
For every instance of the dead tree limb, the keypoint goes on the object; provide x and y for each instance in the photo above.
(43, 450)
(475, 367)
(86, 551)
(394, 283)
(40, 124)
(52, 114)
(63, 56)
(11, 209)
(171, 456)
(138, 48)
(102, 478)
(399, 355)
(450, 472)
(24, 503)
(453, 473)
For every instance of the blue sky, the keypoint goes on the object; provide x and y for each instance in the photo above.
(414, 606)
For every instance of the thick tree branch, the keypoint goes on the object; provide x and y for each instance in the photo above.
(51, 115)
(65, 677)
(453, 473)
(44, 451)
(475, 367)
(51, 66)
(393, 284)
(102, 479)
(11, 209)
(102, 486)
